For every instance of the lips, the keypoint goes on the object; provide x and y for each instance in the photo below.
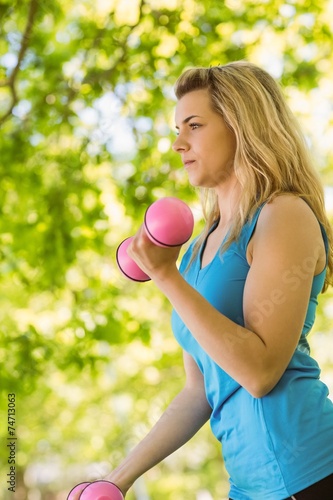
(188, 163)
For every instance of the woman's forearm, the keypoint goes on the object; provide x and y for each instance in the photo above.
(182, 419)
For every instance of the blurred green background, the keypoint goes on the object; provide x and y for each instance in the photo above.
(86, 116)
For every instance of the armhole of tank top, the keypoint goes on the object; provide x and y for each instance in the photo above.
(325, 239)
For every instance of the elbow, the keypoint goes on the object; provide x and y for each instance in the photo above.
(261, 386)
(259, 392)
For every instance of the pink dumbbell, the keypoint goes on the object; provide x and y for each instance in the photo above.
(168, 222)
(98, 490)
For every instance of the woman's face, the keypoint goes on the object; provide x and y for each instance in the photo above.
(207, 146)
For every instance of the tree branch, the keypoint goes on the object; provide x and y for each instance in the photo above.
(11, 81)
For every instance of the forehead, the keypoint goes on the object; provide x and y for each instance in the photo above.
(195, 103)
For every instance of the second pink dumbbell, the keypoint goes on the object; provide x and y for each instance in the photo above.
(168, 222)
(98, 490)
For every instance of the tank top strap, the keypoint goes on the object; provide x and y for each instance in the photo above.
(249, 227)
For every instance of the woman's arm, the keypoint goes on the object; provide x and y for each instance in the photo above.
(286, 249)
(182, 419)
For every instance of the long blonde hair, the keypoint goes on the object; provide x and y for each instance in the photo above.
(271, 157)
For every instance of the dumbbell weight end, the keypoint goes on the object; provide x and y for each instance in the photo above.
(127, 265)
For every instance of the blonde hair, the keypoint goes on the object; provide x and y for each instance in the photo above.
(271, 157)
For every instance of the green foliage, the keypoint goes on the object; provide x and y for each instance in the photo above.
(86, 116)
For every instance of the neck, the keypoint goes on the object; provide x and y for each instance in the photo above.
(228, 195)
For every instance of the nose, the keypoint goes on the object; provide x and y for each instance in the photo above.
(180, 145)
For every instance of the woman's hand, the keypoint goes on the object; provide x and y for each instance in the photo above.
(157, 262)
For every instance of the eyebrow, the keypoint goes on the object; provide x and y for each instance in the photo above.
(189, 118)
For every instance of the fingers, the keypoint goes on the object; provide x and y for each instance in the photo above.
(154, 260)
(140, 239)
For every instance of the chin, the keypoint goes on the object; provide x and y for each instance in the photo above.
(195, 181)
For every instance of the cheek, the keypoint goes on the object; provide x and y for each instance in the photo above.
(230, 148)
(224, 153)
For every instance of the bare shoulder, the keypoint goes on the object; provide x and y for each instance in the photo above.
(288, 216)
(288, 210)
(288, 223)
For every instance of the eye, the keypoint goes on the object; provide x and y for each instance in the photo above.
(194, 125)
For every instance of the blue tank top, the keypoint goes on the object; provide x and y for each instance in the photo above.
(280, 444)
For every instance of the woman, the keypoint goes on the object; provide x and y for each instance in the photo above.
(245, 295)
